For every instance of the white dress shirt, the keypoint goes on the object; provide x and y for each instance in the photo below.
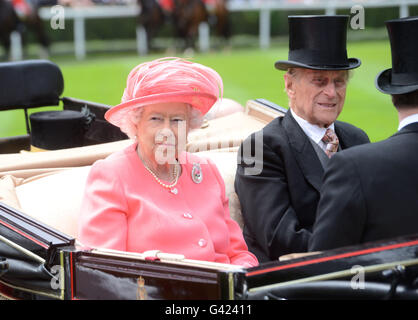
(316, 133)
(408, 120)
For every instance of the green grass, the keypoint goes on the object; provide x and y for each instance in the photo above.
(247, 74)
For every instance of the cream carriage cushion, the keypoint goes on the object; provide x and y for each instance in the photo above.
(55, 199)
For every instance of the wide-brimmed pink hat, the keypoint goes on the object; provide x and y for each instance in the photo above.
(168, 80)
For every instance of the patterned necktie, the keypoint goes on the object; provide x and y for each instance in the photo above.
(331, 140)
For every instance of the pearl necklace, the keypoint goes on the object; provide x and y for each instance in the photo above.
(164, 185)
(168, 186)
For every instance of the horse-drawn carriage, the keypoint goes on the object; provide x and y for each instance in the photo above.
(40, 193)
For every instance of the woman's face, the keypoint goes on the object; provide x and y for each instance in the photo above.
(162, 131)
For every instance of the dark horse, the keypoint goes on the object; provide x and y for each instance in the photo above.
(187, 16)
(184, 15)
(10, 21)
(219, 19)
(151, 18)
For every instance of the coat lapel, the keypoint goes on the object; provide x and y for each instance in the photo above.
(412, 127)
(345, 139)
(303, 151)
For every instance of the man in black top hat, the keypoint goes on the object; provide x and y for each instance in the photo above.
(370, 192)
(279, 204)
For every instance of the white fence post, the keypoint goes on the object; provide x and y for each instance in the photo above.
(264, 7)
(330, 10)
(264, 28)
(16, 51)
(403, 10)
(204, 37)
(79, 37)
(141, 40)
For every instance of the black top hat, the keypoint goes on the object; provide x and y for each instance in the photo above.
(403, 76)
(318, 42)
(52, 130)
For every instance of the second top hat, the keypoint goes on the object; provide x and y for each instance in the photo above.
(403, 76)
(318, 42)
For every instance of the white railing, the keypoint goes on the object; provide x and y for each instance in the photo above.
(81, 14)
(264, 7)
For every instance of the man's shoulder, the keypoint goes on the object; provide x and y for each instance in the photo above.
(392, 143)
(365, 155)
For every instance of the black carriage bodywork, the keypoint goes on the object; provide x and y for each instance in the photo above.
(38, 262)
(43, 263)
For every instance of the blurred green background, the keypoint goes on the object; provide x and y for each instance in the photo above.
(248, 72)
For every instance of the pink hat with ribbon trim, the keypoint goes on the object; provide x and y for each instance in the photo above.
(168, 80)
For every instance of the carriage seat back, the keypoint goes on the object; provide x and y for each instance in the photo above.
(30, 84)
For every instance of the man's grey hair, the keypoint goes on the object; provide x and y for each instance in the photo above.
(132, 118)
(296, 72)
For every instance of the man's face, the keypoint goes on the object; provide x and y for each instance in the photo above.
(317, 95)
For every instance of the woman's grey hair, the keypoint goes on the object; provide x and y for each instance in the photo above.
(129, 123)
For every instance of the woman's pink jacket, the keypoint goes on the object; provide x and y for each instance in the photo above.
(124, 208)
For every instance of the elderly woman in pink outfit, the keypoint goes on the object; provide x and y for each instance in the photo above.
(153, 195)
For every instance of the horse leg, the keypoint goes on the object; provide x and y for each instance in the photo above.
(190, 39)
(5, 39)
(180, 34)
(224, 33)
(8, 22)
(149, 30)
(153, 26)
(189, 47)
(223, 26)
(36, 23)
(219, 20)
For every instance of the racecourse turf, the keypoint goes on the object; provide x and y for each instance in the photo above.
(247, 74)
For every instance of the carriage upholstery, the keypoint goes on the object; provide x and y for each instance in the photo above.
(49, 185)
